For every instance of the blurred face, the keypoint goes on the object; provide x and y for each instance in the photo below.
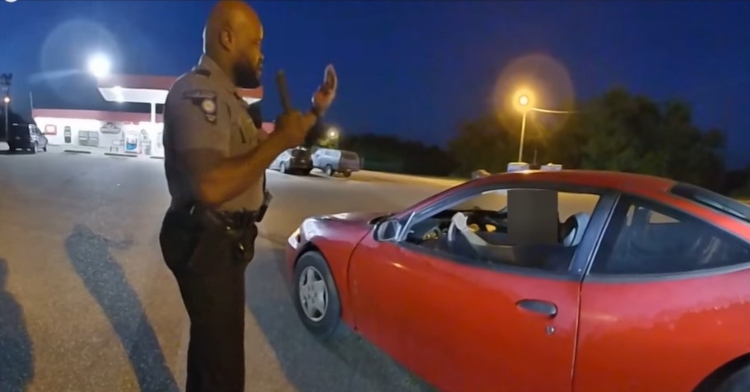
(248, 58)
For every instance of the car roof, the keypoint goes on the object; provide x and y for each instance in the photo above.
(594, 178)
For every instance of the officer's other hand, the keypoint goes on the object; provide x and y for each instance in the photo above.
(324, 96)
(294, 126)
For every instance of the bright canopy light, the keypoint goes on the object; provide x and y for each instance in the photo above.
(99, 66)
(118, 94)
(333, 134)
(10, 1)
(6, 99)
(523, 100)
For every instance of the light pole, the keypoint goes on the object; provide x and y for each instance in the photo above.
(5, 80)
(6, 102)
(333, 137)
(523, 102)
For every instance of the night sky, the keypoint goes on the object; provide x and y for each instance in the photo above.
(410, 69)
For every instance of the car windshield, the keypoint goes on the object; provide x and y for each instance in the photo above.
(298, 153)
(713, 200)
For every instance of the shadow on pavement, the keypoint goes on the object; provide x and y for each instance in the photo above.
(16, 349)
(106, 281)
(345, 364)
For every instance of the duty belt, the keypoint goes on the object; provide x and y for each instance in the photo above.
(240, 219)
(231, 220)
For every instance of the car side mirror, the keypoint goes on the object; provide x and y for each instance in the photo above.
(388, 230)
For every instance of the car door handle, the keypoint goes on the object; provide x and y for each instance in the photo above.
(542, 307)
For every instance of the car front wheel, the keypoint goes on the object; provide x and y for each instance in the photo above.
(739, 381)
(315, 295)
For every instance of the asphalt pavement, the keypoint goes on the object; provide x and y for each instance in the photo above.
(86, 303)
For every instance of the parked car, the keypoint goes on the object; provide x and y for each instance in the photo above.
(332, 161)
(551, 167)
(479, 174)
(598, 281)
(26, 137)
(518, 166)
(293, 160)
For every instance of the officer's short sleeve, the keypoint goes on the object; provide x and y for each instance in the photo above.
(196, 116)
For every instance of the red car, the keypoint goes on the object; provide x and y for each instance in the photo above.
(541, 281)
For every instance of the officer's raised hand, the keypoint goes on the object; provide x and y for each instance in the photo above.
(326, 93)
(293, 126)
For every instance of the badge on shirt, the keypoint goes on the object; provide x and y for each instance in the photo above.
(209, 109)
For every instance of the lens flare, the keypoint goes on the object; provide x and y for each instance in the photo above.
(533, 81)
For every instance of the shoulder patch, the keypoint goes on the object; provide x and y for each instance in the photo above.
(206, 100)
(199, 94)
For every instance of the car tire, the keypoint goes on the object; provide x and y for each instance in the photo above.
(34, 148)
(738, 381)
(347, 174)
(312, 268)
(11, 147)
(329, 171)
(306, 172)
(45, 148)
(282, 168)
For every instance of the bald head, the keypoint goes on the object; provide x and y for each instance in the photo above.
(232, 38)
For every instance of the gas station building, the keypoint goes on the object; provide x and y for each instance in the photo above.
(116, 131)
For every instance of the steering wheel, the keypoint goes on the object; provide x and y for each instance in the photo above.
(433, 234)
(461, 241)
(453, 229)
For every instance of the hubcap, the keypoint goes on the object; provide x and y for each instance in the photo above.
(313, 294)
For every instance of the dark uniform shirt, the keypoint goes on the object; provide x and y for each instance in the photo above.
(204, 112)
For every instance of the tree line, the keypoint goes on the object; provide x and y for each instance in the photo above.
(617, 131)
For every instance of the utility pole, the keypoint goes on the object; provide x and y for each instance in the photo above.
(5, 80)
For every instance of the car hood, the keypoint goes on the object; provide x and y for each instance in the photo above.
(353, 217)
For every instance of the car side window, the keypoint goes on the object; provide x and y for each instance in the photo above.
(528, 228)
(645, 238)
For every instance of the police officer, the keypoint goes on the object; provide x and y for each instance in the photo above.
(215, 162)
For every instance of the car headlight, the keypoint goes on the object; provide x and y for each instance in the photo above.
(294, 239)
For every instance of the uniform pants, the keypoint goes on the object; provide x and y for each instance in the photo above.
(212, 284)
(216, 354)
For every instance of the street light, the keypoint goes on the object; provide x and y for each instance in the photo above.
(5, 81)
(6, 102)
(333, 133)
(99, 66)
(524, 102)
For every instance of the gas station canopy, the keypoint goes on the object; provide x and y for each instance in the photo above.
(151, 89)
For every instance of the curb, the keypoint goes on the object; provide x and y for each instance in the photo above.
(114, 154)
(153, 157)
(78, 151)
